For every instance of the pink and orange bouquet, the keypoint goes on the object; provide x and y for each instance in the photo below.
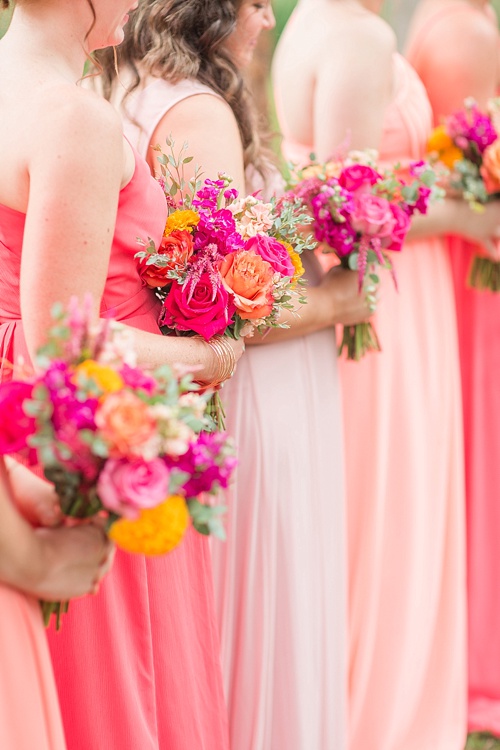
(361, 213)
(468, 145)
(226, 265)
(115, 439)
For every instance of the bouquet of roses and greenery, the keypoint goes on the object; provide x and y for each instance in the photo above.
(115, 439)
(467, 143)
(361, 212)
(227, 265)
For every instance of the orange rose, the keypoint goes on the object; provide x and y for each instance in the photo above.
(490, 169)
(250, 279)
(126, 423)
(177, 248)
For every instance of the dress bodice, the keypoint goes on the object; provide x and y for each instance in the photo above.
(141, 214)
(408, 119)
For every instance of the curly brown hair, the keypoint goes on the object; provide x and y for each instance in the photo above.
(178, 39)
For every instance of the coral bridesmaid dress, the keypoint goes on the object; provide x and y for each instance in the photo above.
(405, 494)
(29, 711)
(478, 316)
(279, 577)
(137, 666)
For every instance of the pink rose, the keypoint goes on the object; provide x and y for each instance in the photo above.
(125, 487)
(401, 228)
(205, 310)
(372, 216)
(16, 425)
(357, 177)
(273, 252)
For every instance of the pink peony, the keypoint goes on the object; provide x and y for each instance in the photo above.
(16, 425)
(273, 252)
(372, 216)
(204, 310)
(125, 487)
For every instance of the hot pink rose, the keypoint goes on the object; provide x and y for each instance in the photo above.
(206, 312)
(125, 487)
(273, 252)
(357, 177)
(16, 426)
(372, 216)
(401, 228)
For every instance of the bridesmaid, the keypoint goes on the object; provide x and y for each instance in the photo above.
(279, 578)
(138, 666)
(51, 564)
(455, 47)
(402, 416)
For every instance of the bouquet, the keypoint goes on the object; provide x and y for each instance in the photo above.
(361, 212)
(115, 439)
(227, 265)
(467, 144)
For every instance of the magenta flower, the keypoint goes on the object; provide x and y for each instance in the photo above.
(208, 463)
(15, 426)
(358, 177)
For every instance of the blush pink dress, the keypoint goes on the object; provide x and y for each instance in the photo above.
(137, 666)
(405, 493)
(478, 316)
(280, 575)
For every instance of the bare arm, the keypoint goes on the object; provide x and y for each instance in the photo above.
(354, 85)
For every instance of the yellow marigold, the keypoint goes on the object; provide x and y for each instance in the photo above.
(440, 143)
(156, 531)
(186, 219)
(296, 261)
(106, 378)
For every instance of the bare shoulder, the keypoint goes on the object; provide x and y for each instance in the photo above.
(73, 116)
(467, 31)
(205, 110)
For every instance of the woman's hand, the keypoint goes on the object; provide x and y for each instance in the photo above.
(222, 358)
(35, 498)
(340, 289)
(73, 561)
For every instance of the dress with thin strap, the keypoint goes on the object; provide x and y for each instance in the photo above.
(478, 314)
(404, 474)
(137, 666)
(279, 577)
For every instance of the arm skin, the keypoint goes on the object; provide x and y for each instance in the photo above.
(52, 564)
